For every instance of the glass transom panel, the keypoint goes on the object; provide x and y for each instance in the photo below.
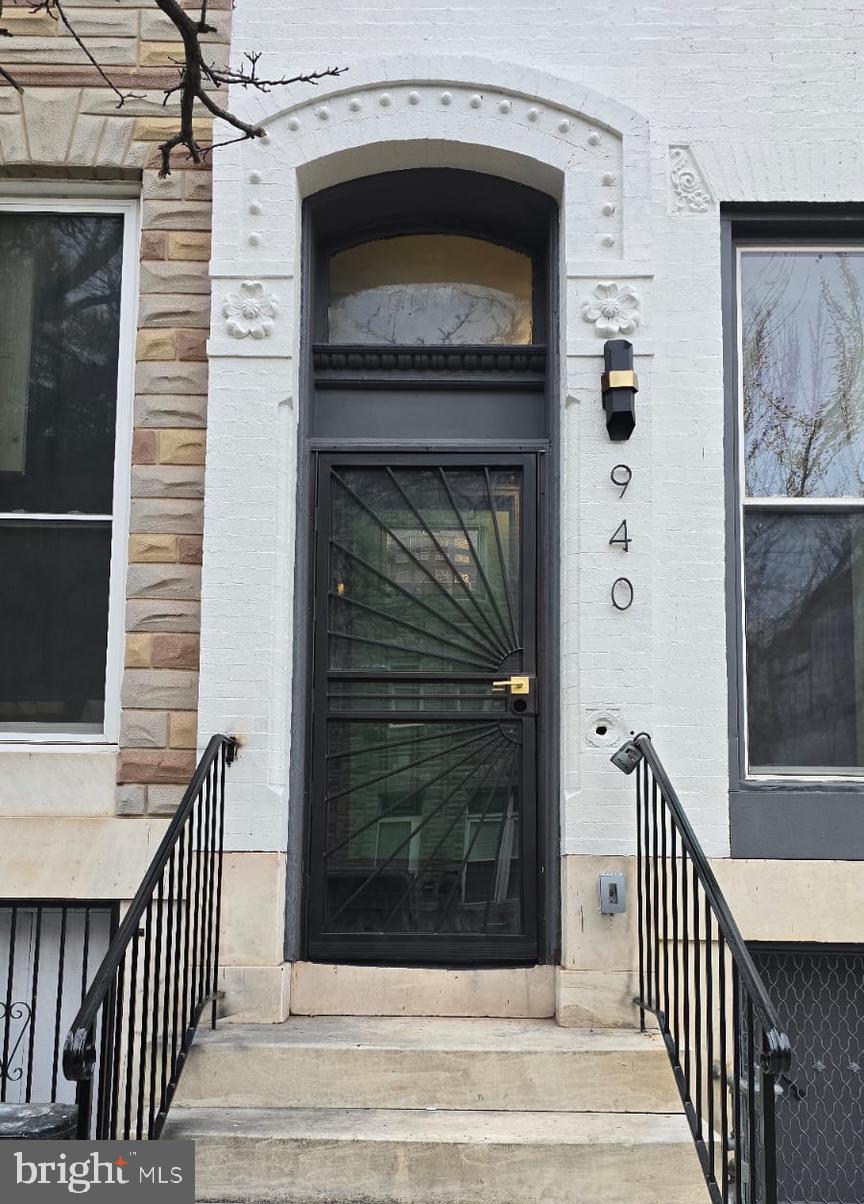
(430, 289)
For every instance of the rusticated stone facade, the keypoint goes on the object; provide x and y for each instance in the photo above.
(67, 125)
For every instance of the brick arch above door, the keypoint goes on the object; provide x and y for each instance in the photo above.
(545, 131)
(589, 152)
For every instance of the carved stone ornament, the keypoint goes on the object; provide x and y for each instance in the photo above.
(250, 312)
(614, 309)
(690, 192)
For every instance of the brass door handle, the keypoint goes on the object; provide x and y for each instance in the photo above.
(517, 684)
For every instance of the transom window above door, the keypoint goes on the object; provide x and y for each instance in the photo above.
(429, 258)
(435, 289)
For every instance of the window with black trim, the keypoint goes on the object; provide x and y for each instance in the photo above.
(801, 494)
(64, 418)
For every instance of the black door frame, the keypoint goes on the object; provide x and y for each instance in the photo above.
(462, 949)
(310, 446)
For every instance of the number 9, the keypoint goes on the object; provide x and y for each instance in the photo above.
(622, 479)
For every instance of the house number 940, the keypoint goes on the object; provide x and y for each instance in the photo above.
(622, 587)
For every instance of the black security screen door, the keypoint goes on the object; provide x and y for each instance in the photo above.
(423, 818)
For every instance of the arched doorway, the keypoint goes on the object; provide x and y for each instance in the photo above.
(430, 436)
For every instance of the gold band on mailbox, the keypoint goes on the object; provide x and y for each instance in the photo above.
(620, 379)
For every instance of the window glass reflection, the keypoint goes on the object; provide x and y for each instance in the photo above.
(424, 569)
(423, 828)
(804, 579)
(59, 331)
(430, 289)
(54, 630)
(802, 364)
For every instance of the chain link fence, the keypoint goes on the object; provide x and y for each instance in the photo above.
(820, 1108)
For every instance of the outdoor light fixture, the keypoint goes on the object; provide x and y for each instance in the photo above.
(628, 755)
(620, 385)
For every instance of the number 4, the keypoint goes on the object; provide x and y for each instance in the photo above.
(621, 537)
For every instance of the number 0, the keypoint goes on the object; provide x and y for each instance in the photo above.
(622, 593)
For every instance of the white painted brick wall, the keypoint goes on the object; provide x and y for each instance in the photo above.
(767, 96)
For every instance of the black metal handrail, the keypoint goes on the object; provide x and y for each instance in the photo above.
(721, 1031)
(136, 1023)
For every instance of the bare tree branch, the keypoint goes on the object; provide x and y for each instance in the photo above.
(54, 10)
(10, 80)
(196, 73)
(197, 78)
(4, 33)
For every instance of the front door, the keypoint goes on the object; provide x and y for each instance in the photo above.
(423, 832)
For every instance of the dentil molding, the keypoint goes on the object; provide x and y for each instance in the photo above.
(383, 116)
(453, 101)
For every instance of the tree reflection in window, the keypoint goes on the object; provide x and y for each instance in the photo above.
(802, 351)
(802, 360)
(58, 360)
(804, 576)
(430, 289)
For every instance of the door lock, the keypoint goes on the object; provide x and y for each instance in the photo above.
(517, 684)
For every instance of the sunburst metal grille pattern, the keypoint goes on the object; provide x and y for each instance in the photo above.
(424, 569)
(422, 787)
(423, 828)
(820, 1114)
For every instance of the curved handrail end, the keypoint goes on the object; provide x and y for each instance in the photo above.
(79, 1055)
(776, 1057)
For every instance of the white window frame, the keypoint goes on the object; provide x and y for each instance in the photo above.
(837, 505)
(414, 843)
(65, 198)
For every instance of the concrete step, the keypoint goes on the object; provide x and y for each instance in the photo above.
(398, 1156)
(404, 1062)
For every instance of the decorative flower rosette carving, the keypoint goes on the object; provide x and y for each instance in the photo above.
(614, 309)
(250, 312)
